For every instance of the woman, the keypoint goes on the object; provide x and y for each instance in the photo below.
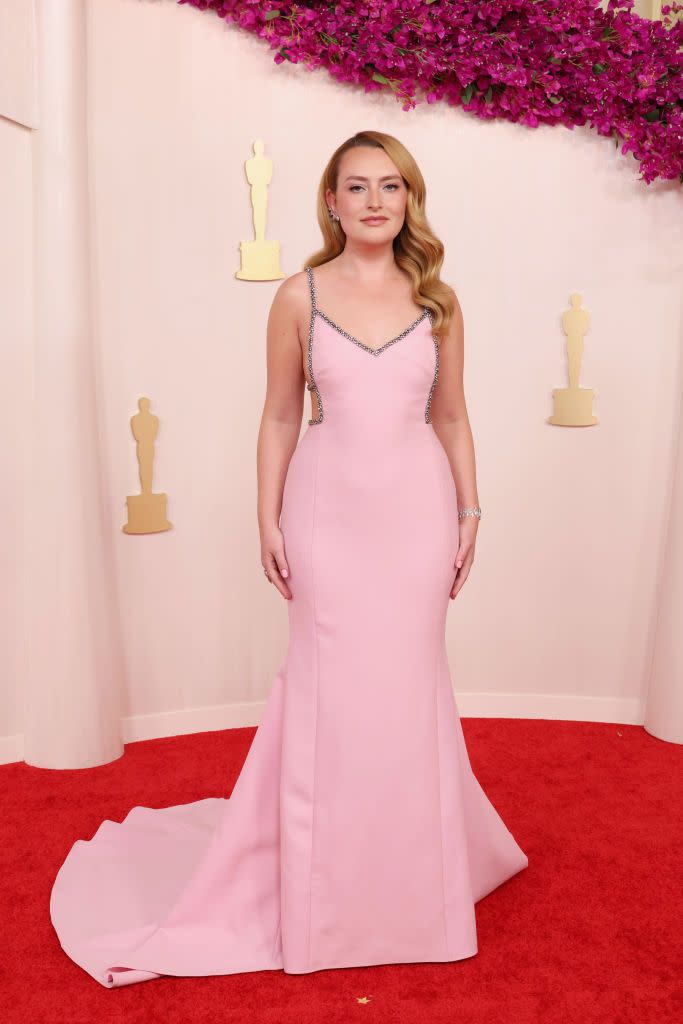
(356, 833)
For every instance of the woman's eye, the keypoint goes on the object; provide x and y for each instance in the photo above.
(390, 184)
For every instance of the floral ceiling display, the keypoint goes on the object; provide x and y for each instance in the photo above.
(562, 62)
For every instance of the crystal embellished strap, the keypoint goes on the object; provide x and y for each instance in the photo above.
(311, 384)
(309, 271)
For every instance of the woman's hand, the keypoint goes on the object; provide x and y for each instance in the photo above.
(273, 558)
(465, 556)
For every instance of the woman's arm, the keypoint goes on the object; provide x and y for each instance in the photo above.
(452, 427)
(280, 422)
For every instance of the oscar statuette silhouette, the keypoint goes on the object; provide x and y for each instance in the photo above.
(573, 405)
(146, 511)
(260, 259)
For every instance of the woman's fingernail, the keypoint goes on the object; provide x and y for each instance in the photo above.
(285, 573)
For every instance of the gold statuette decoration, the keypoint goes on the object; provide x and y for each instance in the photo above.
(146, 511)
(573, 406)
(260, 259)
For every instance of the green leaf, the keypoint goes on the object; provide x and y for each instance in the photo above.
(466, 94)
(377, 77)
(272, 14)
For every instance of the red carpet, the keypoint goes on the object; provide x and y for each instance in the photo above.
(589, 932)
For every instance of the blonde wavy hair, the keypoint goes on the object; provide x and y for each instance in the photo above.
(417, 250)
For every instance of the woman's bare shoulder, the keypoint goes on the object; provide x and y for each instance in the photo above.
(290, 309)
(292, 296)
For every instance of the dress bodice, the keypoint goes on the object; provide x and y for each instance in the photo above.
(361, 386)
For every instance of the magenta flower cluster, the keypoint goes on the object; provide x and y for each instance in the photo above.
(529, 61)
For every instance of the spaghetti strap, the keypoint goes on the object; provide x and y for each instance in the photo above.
(311, 283)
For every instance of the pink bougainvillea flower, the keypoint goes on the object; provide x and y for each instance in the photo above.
(528, 61)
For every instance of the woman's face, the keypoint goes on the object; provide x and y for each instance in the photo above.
(369, 186)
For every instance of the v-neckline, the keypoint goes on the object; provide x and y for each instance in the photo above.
(370, 348)
(357, 341)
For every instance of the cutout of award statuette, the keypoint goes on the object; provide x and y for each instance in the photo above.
(573, 406)
(259, 259)
(146, 511)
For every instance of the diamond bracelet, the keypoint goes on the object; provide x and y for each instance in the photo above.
(469, 512)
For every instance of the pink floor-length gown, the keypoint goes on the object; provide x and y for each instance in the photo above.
(356, 833)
